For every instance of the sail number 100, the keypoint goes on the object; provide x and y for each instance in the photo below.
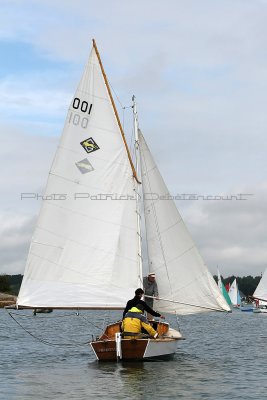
(83, 106)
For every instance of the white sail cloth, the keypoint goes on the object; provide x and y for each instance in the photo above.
(85, 245)
(234, 294)
(181, 274)
(84, 252)
(261, 289)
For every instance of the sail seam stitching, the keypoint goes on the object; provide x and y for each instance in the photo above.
(89, 216)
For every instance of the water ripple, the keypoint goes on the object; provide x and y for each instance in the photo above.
(223, 357)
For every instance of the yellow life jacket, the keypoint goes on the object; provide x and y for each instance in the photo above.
(134, 321)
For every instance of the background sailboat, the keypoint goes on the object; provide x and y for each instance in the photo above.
(260, 294)
(234, 294)
(86, 249)
(223, 290)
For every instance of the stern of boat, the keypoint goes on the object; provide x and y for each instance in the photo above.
(112, 346)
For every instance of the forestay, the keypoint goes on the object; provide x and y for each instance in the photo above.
(181, 274)
(85, 242)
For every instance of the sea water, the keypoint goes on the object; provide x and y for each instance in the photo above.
(224, 356)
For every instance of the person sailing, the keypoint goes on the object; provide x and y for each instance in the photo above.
(133, 323)
(137, 300)
(151, 289)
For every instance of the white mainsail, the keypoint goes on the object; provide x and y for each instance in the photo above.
(234, 294)
(261, 290)
(84, 252)
(181, 274)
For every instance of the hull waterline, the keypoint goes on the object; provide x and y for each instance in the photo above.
(134, 349)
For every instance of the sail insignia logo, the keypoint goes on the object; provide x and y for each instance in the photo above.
(84, 166)
(89, 145)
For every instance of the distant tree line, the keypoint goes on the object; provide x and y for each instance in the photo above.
(246, 284)
(10, 283)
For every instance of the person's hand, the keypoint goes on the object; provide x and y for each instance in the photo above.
(156, 298)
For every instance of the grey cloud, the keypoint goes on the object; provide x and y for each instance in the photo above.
(15, 237)
(231, 234)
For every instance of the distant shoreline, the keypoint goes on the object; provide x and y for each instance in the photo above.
(7, 300)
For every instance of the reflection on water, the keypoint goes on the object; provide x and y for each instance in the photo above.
(223, 357)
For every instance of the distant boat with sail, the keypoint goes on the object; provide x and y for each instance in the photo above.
(234, 294)
(260, 295)
(223, 289)
(86, 251)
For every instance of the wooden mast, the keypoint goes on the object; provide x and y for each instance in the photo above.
(115, 111)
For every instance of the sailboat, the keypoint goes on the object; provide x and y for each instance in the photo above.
(260, 295)
(234, 294)
(223, 290)
(86, 251)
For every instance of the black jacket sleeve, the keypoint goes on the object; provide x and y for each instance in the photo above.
(133, 302)
(149, 310)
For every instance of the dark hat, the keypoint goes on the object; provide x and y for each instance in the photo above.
(139, 291)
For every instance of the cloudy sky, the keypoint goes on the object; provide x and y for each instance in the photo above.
(199, 71)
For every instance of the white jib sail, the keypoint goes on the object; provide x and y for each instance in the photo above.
(261, 289)
(84, 252)
(233, 293)
(181, 274)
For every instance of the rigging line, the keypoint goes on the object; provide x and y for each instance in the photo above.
(123, 116)
(45, 341)
(42, 316)
(117, 97)
(94, 325)
(187, 304)
(156, 222)
(59, 316)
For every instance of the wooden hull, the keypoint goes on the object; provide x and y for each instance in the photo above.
(134, 349)
(105, 348)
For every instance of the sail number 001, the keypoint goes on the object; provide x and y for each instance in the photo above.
(83, 106)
